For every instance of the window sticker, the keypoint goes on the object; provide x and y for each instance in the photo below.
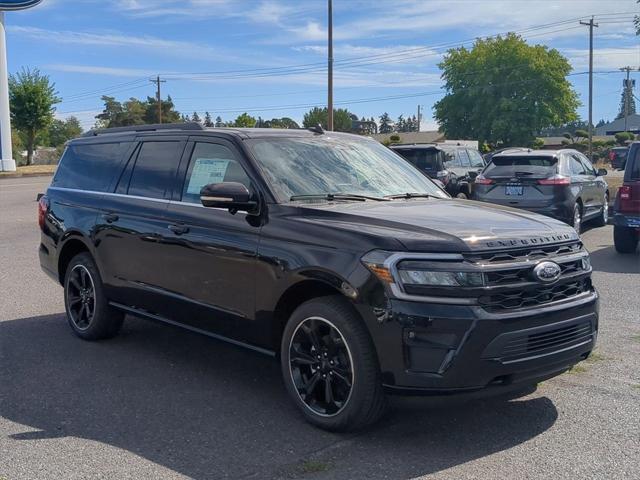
(206, 171)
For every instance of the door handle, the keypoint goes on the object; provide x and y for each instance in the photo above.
(110, 217)
(178, 229)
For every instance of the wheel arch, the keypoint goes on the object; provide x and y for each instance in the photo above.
(72, 245)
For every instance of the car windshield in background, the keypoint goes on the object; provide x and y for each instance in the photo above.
(334, 165)
(421, 158)
(513, 166)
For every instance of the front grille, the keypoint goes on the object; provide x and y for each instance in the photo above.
(523, 346)
(525, 254)
(531, 297)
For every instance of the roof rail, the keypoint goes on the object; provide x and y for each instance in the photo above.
(145, 128)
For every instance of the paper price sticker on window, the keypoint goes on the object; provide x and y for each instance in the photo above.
(206, 171)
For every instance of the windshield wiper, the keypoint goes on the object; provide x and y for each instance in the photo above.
(411, 195)
(338, 196)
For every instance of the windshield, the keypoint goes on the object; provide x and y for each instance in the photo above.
(331, 165)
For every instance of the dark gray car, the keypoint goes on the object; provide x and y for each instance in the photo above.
(559, 183)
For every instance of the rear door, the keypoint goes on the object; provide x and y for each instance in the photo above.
(580, 182)
(132, 226)
(211, 253)
(596, 185)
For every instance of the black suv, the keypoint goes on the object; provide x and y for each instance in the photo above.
(560, 183)
(325, 250)
(454, 165)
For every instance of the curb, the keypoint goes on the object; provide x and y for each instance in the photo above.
(21, 175)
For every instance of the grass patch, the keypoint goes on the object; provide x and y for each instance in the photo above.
(636, 338)
(577, 369)
(31, 170)
(636, 386)
(595, 357)
(314, 466)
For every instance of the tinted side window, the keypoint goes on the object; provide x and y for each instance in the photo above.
(89, 166)
(154, 169)
(476, 158)
(452, 159)
(588, 166)
(576, 166)
(211, 163)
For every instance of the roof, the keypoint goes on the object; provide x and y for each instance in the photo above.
(533, 153)
(412, 137)
(633, 125)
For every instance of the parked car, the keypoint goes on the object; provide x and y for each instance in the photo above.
(562, 184)
(324, 250)
(618, 157)
(626, 209)
(453, 165)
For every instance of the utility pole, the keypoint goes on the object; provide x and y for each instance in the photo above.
(591, 24)
(628, 95)
(419, 117)
(157, 81)
(330, 71)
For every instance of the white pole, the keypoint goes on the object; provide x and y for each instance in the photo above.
(7, 163)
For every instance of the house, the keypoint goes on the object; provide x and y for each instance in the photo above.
(611, 128)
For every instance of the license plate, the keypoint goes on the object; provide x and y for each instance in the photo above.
(513, 190)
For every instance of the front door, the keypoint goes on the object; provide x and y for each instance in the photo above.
(212, 253)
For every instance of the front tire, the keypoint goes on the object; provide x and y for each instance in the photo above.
(625, 239)
(88, 311)
(576, 222)
(603, 218)
(330, 367)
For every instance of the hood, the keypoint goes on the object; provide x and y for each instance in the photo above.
(443, 224)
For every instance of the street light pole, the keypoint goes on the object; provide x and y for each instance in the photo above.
(330, 70)
(591, 24)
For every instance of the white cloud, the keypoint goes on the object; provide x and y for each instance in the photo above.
(97, 70)
(604, 58)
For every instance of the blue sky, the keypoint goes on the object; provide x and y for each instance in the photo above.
(267, 57)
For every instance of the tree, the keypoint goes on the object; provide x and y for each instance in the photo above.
(400, 124)
(136, 112)
(219, 123)
(195, 117)
(318, 116)
(386, 125)
(207, 120)
(169, 114)
(284, 122)
(504, 91)
(17, 145)
(32, 97)
(244, 120)
(627, 102)
(60, 131)
(623, 137)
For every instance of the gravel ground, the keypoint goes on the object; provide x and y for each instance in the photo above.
(161, 403)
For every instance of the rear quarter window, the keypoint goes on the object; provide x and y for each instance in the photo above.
(89, 166)
(632, 168)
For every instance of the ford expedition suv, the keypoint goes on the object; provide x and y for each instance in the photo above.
(326, 251)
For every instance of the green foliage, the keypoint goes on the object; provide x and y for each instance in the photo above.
(342, 119)
(627, 102)
(32, 97)
(135, 112)
(219, 123)
(17, 145)
(504, 91)
(284, 122)
(60, 131)
(386, 125)
(394, 138)
(245, 120)
(537, 144)
(623, 137)
(196, 118)
(208, 122)
(408, 125)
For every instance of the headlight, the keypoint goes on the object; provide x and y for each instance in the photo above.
(435, 272)
(441, 279)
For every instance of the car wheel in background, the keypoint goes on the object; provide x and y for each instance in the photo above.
(330, 367)
(88, 310)
(576, 222)
(603, 218)
(625, 239)
(462, 195)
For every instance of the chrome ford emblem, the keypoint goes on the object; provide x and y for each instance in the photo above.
(547, 272)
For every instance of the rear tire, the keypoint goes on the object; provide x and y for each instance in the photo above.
(576, 222)
(462, 195)
(88, 311)
(603, 218)
(625, 239)
(330, 367)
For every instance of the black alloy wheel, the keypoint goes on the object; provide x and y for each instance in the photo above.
(321, 366)
(81, 297)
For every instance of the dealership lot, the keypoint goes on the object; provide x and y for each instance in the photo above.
(158, 402)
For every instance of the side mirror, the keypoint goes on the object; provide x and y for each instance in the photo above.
(231, 195)
(473, 174)
(602, 172)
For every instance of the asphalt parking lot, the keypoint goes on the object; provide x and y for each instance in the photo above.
(158, 402)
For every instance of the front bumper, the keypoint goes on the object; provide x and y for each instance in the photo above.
(428, 348)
